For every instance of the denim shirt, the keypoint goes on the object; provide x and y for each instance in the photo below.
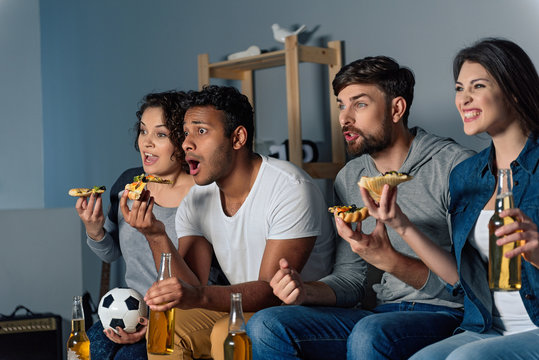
(471, 186)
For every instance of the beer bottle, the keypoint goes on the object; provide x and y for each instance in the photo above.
(161, 326)
(237, 344)
(503, 273)
(78, 344)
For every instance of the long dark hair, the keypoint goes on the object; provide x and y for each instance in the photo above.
(514, 73)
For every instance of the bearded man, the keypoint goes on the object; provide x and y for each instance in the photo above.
(326, 319)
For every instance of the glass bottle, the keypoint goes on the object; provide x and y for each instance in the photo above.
(78, 344)
(161, 324)
(237, 344)
(503, 273)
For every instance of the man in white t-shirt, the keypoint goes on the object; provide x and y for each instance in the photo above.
(250, 209)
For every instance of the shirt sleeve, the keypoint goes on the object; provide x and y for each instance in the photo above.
(296, 212)
(108, 248)
(349, 276)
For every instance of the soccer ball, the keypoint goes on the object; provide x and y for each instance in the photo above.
(122, 307)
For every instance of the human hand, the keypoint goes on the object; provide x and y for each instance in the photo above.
(90, 211)
(387, 210)
(141, 215)
(375, 248)
(287, 284)
(128, 338)
(523, 230)
(172, 292)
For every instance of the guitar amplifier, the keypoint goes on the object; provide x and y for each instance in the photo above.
(35, 336)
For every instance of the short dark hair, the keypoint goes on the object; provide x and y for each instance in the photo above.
(236, 107)
(514, 73)
(173, 105)
(383, 72)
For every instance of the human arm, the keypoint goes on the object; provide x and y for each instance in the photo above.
(141, 217)
(90, 211)
(524, 230)
(288, 286)
(106, 245)
(346, 284)
(256, 294)
(376, 249)
(432, 255)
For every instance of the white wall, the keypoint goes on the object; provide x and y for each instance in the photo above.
(21, 130)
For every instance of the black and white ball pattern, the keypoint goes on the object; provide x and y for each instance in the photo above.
(122, 307)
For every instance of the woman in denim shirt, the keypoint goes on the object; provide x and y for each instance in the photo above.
(497, 92)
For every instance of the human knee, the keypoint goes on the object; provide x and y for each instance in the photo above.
(365, 337)
(264, 323)
(192, 332)
(256, 326)
(367, 328)
(217, 338)
(474, 350)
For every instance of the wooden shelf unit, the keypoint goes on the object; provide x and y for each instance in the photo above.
(293, 54)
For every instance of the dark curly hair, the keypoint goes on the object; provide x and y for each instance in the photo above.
(173, 105)
(382, 71)
(238, 111)
(514, 73)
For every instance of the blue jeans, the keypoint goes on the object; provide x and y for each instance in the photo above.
(490, 345)
(101, 348)
(396, 331)
(305, 332)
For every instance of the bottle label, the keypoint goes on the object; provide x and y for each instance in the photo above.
(71, 355)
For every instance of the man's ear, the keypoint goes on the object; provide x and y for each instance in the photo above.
(398, 108)
(239, 137)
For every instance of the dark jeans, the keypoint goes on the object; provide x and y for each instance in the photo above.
(101, 348)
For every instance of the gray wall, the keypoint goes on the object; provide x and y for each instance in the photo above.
(40, 263)
(21, 118)
(73, 72)
(100, 57)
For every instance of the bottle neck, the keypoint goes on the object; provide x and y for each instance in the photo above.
(164, 269)
(236, 323)
(504, 193)
(504, 202)
(77, 316)
(77, 313)
(77, 325)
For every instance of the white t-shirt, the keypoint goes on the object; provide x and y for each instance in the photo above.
(509, 314)
(284, 203)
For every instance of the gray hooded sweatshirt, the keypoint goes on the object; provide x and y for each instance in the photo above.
(424, 199)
